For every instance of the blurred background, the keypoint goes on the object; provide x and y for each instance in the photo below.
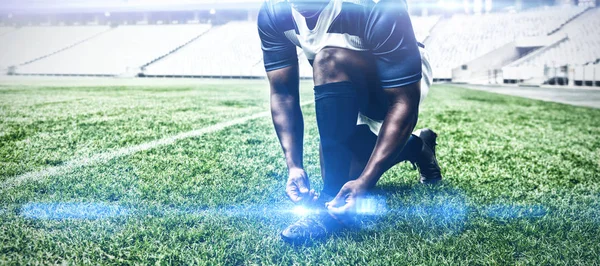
(472, 41)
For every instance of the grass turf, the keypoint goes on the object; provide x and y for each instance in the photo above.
(522, 183)
(66, 122)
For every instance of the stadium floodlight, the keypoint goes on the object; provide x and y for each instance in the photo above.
(213, 11)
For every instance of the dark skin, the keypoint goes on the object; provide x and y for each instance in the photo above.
(289, 125)
(335, 65)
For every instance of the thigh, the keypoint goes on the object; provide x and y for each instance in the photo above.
(377, 106)
(333, 64)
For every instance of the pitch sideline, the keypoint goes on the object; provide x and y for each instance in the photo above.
(104, 157)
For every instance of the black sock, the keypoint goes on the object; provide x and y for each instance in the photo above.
(337, 111)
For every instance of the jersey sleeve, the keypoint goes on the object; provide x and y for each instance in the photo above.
(389, 35)
(278, 51)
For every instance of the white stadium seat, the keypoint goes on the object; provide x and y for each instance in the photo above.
(581, 47)
(22, 45)
(122, 50)
(463, 38)
(232, 49)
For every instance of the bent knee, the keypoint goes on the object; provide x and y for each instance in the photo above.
(337, 65)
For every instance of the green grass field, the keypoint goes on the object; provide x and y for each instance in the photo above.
(522, 182)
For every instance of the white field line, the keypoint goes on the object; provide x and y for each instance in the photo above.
(104, 157)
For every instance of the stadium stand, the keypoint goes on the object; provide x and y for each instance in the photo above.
(581, 47)
(459, 47)
(120, 51)
(232, 49)
(30, 43)
(4, 30)
(221, 53)
(422, 26)
(585, 75)
(462, 38)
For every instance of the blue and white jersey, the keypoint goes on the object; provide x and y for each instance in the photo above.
(382, 28)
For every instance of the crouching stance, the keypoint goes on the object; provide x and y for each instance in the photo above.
(370, 76)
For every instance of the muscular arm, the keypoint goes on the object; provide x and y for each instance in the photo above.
(286, 113)
(389, 32)
(281, 64)
(395, 131)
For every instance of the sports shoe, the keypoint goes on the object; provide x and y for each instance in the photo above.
(318, 224)
(426, 162)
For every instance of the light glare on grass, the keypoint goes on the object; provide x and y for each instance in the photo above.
(371, 206)
(301, 211)
(78, 211)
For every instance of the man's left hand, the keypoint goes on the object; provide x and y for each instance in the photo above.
(344, 203)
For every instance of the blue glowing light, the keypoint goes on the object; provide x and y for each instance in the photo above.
(446, 212)
(78, 211)
(373, 206)
(248, 211)
(515, 211)
(453, 212)
(301, 211)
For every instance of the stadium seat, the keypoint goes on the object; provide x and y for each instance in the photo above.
(120, 51)
(462, 38)
(22, 45)
(581, 47)
(232, 49)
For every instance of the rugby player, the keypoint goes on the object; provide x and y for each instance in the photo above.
(370, 75)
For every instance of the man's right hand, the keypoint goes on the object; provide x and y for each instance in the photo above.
(298, 187)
